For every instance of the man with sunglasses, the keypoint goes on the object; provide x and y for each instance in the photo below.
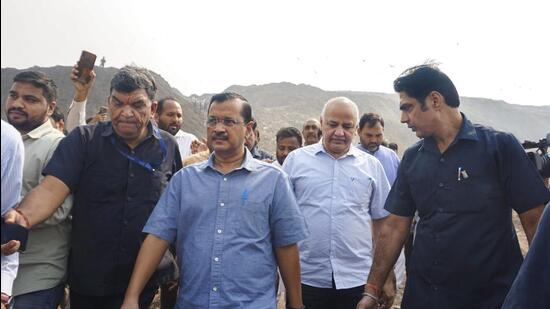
(116, 172)
(233, 220)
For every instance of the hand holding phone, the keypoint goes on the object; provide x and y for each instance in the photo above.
(85, 66)
(15, 232)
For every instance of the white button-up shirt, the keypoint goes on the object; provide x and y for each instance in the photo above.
(338, 198)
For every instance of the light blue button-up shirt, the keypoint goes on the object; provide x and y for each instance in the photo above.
(225, 228)
(338, 198)
(388, 158)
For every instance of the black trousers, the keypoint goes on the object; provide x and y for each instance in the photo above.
(331, 298)
(80, 301)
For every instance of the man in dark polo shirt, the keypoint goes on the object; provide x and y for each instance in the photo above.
(117, 171)
(464, 180)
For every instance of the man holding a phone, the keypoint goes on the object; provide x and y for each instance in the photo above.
(117, 171)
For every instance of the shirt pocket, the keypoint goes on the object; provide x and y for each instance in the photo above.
(253, 220)
(464, 197)
(358, 191)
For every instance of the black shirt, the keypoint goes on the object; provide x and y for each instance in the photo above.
(465, 253)
(113, 198)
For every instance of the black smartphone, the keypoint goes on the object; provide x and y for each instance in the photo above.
(85, 65)
(15, 232)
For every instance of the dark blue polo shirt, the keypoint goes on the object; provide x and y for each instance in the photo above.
(113, 198)
(466, 252)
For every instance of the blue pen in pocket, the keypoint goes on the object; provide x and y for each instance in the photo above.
(245, 196)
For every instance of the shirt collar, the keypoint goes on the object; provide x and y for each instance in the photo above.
(320, 148)
(467, 131)
(247, 164)
(152, 130)
(40, 131)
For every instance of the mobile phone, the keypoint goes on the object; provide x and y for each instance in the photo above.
(85, 65)
(15, 232)
(102, 110)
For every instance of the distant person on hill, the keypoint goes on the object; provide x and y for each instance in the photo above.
(76, 116)
(252, 140)
(102, 62)
(464, 180)
(117, 171)
(311, 132)
(288, 139)
(169, 117)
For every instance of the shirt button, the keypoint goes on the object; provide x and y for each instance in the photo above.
(442, 160)
(222, 204)
(440, 210)
(224, 179)
(219, 231)
(435, 288)
(215, 289)
(132, 152)
(216, 259)
(441, 185)
(129, 198)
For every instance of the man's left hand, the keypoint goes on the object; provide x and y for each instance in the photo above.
(388, 291)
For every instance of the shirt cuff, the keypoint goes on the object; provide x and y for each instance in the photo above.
(9, 272)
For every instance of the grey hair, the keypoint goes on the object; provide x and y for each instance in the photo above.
(343, 101)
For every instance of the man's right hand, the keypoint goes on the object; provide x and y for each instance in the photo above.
(12, 216)
(367, 303)
(82, 90)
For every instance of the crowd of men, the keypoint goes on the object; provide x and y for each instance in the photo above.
(130, 203)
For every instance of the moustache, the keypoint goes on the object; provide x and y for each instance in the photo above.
(18, 110)
(219, 137)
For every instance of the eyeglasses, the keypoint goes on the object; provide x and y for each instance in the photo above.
(227, 122)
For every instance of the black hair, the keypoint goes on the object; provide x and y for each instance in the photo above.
(289, 132)
(370, 119)
(39, 80)
(57, 114)
(131, 78)
(419, 81)
(160, 104)
(393, 146)
(246, 109)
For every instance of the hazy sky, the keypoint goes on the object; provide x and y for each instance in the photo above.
(493, 49)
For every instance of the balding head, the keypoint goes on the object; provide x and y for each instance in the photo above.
(311, 131)
(339, 103)
(338, 123)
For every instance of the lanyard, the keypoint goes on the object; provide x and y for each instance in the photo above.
(150, 166)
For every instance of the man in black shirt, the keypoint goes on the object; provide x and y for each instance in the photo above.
(464, 180)
(117, 171)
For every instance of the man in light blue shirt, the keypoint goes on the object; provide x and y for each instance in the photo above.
(371, 135)
(233, 219)
(339, 189)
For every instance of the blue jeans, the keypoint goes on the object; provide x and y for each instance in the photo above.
(43, 299)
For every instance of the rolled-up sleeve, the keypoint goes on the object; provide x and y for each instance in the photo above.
(287, 223)
(163, 222)
(381, 188)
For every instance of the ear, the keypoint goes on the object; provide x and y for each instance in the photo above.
(51, 108)
(436, 100)
(154, 105)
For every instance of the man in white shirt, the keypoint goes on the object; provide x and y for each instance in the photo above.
(12, 174)
(169, 117)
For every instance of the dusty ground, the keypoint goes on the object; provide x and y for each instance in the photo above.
(397, 304)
